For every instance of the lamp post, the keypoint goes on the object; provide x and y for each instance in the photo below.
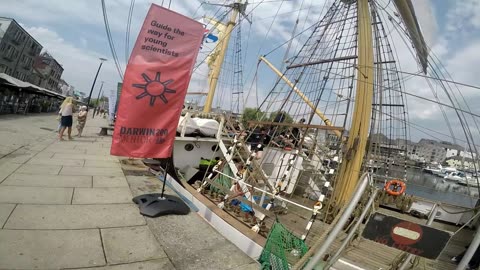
(94, 80)
(98, 98)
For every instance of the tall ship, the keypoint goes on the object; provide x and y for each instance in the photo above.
(316, 171)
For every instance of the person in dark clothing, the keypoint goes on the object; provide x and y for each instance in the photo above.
(254, 137)
(280, 117)
(296, 133)
(257, 140)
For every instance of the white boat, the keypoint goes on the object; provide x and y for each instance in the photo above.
(456, 176)
(436, 170)
(469, 181)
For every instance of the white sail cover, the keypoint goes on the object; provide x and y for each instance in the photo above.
(205, 127)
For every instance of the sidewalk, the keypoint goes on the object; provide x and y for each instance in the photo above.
(67, 205)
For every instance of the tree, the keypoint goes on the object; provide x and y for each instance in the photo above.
(252, 114)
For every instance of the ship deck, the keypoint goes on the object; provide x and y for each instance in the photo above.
(361, 252)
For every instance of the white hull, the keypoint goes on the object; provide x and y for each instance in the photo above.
(244, 243)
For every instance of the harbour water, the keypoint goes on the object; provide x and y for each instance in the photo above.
(432, 187)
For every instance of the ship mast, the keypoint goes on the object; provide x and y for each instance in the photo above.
(358, 135)
(237, 8)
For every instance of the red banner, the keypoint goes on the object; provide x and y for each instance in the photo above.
(155, 84)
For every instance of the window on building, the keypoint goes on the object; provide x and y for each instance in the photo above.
(15, 54)
(9, 51)
(3, 68)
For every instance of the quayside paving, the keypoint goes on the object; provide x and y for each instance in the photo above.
(67, 205)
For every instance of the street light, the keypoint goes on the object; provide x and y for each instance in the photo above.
(94, 80)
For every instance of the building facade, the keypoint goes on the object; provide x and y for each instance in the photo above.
(462, 163)
(18, 50)
(66, 89)
(431, 151)
(47, 72)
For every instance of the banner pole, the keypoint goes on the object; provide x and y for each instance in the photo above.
(164, 178)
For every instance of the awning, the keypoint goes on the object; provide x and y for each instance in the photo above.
(11, 81)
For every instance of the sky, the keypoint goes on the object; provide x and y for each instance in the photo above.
(74, 33)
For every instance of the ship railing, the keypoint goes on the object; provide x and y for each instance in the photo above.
(322, 247)
(264, 192)
(238, 142)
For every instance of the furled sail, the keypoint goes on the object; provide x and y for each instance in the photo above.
(407, 13)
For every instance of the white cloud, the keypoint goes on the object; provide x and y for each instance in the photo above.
(462, 15)
(463, 64)
(83, 42)
(80, 65)
(73, 31)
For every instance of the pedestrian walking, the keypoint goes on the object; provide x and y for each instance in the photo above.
(59, 118)
(81, 120)
(66, 121)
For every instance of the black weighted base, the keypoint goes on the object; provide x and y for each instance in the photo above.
(154, 205)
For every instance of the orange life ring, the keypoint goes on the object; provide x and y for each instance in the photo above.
(395, 184)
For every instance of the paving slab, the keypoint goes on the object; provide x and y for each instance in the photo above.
(65, 150)
(38, 217)
(35, 195)
(20, 156)
(250, 266)
(39, 169)
(109, 181)
(101, 151)
(59, 146)
(102, 195)
(44, 155)
(132, 244)
(163, 264)
(189, 241)
(84, 140)
(36, 147)
(67, 170)
(7, 168)
(50, 249)
(5, 211)
(56, 161)
(83, 156)
(102, 163)
(31, 180)
(91, 147)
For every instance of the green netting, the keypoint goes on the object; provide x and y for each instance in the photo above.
(282, 249)
(223, 180)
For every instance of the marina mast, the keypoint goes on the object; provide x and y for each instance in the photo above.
(237, 8)
(358, 135)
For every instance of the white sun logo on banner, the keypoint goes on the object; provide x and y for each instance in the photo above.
(154, 88)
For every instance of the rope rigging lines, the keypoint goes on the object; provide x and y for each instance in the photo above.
(110, 41)
(127, 31)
